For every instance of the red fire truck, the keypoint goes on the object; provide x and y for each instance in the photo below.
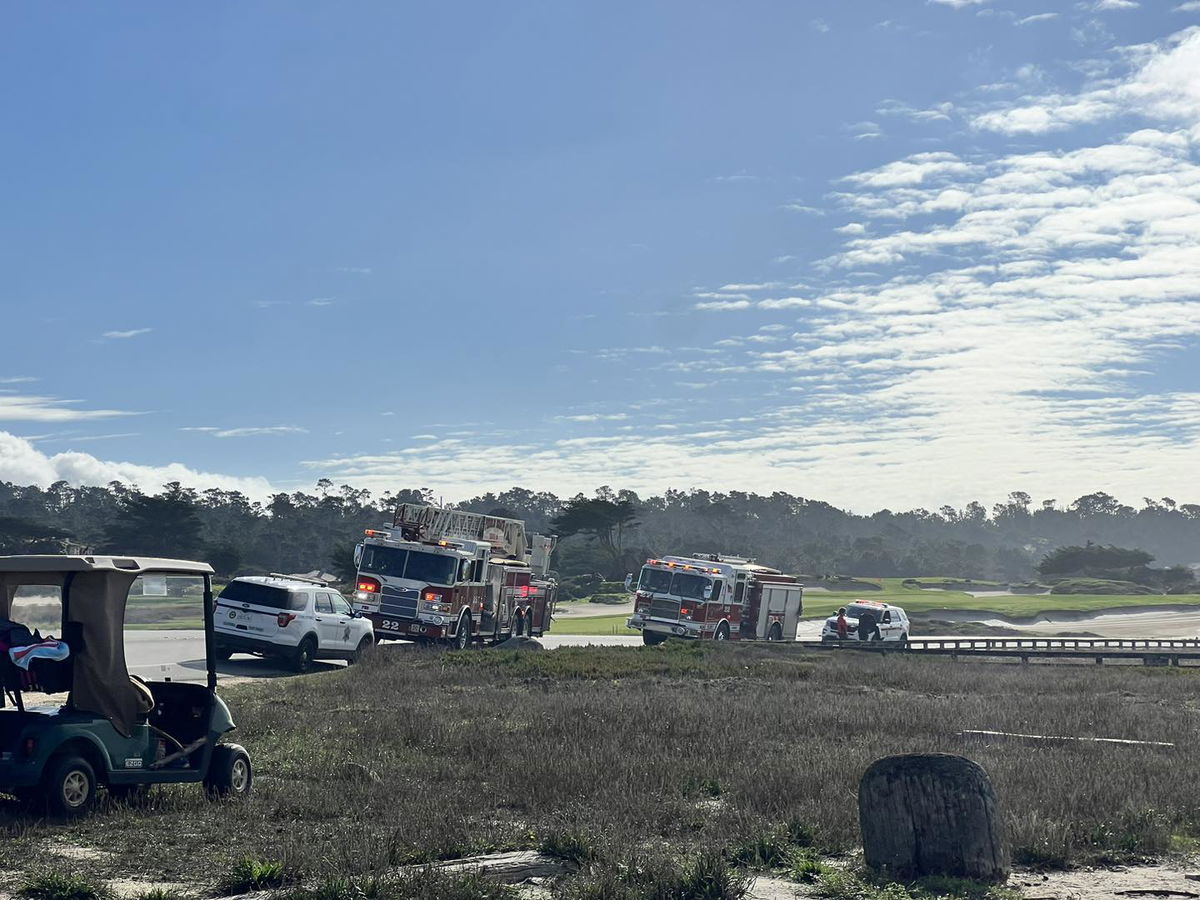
(445, 574)
(722, 598)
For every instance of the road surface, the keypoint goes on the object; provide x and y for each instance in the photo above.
(179, 655)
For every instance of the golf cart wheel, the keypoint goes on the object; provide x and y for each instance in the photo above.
(904, 639)
(363, 648)
(305, 654)
(776, 633)
(229, 772)
(462, 637)
(722, 632)
(652, 639)
(70, 786)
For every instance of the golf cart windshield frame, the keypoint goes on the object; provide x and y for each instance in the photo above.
(94, 594)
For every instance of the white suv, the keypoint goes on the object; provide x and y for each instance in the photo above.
(273, 615)
(891, 622)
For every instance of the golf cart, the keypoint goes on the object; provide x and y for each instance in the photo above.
(113, 730)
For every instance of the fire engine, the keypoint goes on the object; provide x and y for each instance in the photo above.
(722, 598)
(449, 575)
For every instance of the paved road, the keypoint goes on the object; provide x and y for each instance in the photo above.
(179, 655)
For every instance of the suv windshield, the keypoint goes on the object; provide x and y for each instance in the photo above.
(263, 595)
(392, 562)
(663, 582)
(855, 611)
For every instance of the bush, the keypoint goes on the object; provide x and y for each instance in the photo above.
(53, 885)
(1099, 586)
(253, 875)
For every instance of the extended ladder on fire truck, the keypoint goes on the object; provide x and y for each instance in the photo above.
(431, 523)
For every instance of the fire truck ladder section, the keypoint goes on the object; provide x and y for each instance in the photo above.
(433, 523)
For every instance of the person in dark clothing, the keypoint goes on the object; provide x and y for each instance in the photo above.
(868, 627)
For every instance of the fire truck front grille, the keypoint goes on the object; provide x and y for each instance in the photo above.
(400, 603)
(664, 608)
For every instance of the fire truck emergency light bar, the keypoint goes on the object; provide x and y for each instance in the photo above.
(675, 565)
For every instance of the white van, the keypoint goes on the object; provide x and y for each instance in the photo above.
(892, 621)
(273, 615)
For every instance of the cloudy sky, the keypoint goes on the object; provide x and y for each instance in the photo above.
(883, 253)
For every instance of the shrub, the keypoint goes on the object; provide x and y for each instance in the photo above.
(53, 885)
(253, 875)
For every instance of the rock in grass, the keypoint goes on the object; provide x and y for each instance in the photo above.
(931, 814)
(520, 643)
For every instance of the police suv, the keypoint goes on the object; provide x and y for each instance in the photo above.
(891, 620)
(283, 616)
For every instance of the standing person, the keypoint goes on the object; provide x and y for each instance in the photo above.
(843, 627)
(867, 626)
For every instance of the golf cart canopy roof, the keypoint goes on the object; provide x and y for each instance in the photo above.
(125, 564)
(93, 594)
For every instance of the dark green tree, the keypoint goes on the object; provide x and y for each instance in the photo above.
(166, 524)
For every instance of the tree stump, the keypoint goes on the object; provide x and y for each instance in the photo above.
(931, 814)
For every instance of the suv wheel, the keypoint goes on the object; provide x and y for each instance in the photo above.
(70, 786)
(305, 654)
(652, 638)
(229, 771)
(363, 648)
(222, 653)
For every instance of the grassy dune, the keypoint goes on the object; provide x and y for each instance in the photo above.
(645, 757)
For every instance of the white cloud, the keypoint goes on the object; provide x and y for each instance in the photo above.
(820, 25)
(259, 431)
(122, 335)
(1162, 87)
(22, 463)
(1104, 5)
(1189, 6)
(722, 305)
(18, 379)
(321, 301)
(1039, 17)
(594, 417)
(958, 4)
(29, 408)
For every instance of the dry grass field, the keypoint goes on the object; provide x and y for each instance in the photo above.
(638, 761)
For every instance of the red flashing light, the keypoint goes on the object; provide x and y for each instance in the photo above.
(685, 610)
(524, 590)
(368, 585)
(285, 619)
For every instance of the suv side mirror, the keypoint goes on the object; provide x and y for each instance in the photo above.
(358, 554)
(708, 589)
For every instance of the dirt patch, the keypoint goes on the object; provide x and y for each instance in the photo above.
(1109, 884)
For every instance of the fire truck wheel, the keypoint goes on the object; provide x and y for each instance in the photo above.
(651, 639)
(776, 633)
(462, 637)
(722, 632)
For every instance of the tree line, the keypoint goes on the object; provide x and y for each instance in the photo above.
(608, 532)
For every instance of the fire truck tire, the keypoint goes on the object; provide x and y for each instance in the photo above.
(722, 632)
(776, 633)
(652, 638)
(462, 637)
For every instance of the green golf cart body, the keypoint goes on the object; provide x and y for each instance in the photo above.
(113, 730)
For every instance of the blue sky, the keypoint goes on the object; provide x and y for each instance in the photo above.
(881, 253)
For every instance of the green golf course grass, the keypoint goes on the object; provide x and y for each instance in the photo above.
(819, 604)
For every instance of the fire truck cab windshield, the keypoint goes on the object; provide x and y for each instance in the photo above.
(415, 565)
(679, 584)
